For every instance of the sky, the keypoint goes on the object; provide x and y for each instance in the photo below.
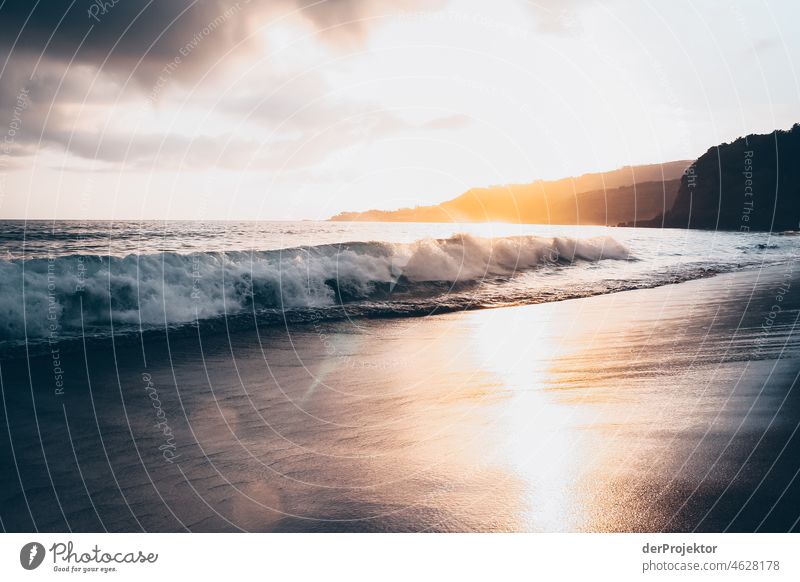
(295, 109)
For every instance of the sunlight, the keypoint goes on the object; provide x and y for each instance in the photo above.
(539, 437)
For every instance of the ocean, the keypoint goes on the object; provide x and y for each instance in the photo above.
(67, 280)
(315, 376)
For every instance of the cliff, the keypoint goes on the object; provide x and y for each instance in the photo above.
(752, 184)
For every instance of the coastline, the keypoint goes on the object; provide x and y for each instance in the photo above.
(660, 409)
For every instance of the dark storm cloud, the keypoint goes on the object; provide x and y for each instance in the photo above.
(138, 36)
(126, 37)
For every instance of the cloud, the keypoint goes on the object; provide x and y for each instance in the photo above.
(74, 60)
(232, 151)
(132, 37)
(298, 125)
(137, 37)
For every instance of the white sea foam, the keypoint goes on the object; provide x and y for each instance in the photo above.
(62, 295)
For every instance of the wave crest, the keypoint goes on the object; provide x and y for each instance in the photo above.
(54, 298)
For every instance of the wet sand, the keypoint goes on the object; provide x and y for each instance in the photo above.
(666, 409)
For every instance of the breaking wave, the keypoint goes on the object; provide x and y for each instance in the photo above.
(66, 296)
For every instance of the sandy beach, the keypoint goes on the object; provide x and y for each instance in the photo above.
(665, 409)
